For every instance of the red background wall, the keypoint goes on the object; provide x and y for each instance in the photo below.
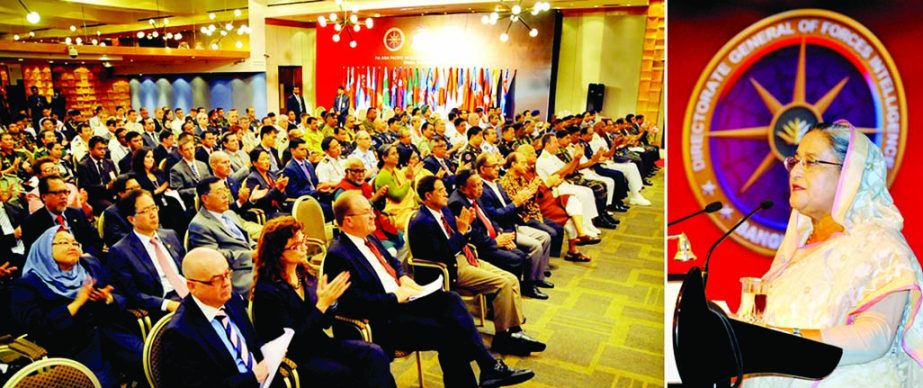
(694, 35)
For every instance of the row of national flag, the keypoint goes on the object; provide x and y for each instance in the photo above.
(441, 88)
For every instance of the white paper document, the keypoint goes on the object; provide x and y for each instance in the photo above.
(430, 288)
(274, 352)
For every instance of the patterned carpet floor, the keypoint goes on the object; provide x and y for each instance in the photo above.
(604, 321)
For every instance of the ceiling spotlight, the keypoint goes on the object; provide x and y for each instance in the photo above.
(333, 17)
(204, 30)
(338, 2)
(336, 38)
(322, 21)
(514, 18)
(152, 21)
(102, 44)
(95, 41)
(237, 12)
(229, 26)
(355, 8)
(239, 44)
(31, 34)
(107, 64)
(16, 37)
(354, 18)
(140, 34)
(178, 36)
(224, 33)
(211, 16)
(33, 17)
(73, 28)
(368, 23)
(517, 9)
(533, 32)
(166, 21)
(155, 34)
(148, 36)
(211, 27)
(214, 46)
(352, 44)
(67, 40)
(79, 41)
(504, 37)
(337, 27)
(169, 35)
(485, 19)
(356, 28)
(494, 16)
(98, 33)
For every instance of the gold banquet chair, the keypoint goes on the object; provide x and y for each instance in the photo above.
(363, 330)
(54, 372)
(414, 263)
(151, 355)
(307, 210)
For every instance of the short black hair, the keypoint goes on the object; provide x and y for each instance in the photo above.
(294, 143)
(392, 121)
(462, 176)
(131, 135)
(204, 187)
(325, 144)
(267, 129)
(474, 131)
(43, 183)
(127, 206)
(426, 185)
(121, 181)
(96, 140)
(548, 138)
(164, 134)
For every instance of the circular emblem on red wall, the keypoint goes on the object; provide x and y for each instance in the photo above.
(394, 39)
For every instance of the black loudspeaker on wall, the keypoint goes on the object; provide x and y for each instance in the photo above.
(595, 95)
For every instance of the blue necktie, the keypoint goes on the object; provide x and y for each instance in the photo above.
(232, 227)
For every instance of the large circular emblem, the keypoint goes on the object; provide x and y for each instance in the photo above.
(394, 39)
(759, 95)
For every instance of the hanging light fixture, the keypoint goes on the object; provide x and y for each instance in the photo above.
(31, 16)
(515, 16)
(349, 22)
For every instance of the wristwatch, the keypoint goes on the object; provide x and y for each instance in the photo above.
(797, 331)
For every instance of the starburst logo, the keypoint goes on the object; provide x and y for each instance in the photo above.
(760, 95)
(394, 39)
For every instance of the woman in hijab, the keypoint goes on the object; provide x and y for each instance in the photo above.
(63, 299)
(844, 274)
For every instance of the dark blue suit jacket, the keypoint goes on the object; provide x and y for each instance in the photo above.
(478, 234)
(134, 272)
(265, 203)
(365, 297)
(433, 166)
(38, 222)
(194, 354)
(115, 226)
(428, 242)
(507, 216)
(298, 181)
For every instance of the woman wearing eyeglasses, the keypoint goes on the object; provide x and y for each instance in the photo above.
(844, 274)
(65, 302)
(288, 293)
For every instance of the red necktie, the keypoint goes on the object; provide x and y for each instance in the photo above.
(382, 260)
(60, 220)
(490, 227)
(468, 254)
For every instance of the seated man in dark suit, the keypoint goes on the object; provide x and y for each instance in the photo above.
(209, 139)
(53, 191)
(210, 341)
(217, 227)
(439, 160)
(166, 146)
(95, 174)
(302, 179)
(495, 244)
(380, 292)
(434, 236)
(133, 138)
(12, 250)
(146, 263)
(115, 225)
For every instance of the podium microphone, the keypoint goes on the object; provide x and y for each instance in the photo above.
(763, 205)
(710, 208)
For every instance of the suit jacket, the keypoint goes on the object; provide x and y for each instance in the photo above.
(194, 354)
(183, 180)
(134, 272)
(17, 216)
(506, 216)
(274, 195)
(341, 105)
(125, 163)
(38, 222)
(404, 151)
(430, 243)
(292, 104)
(206, 230)
(298, 184)
(161, 153)
(88, 177)
(115, 226)
(430, 163)
(478, 234)
(201, 154)
(277, 306)
(365, 297)
(150, 139)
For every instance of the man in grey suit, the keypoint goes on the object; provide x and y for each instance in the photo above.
(185, 174)
(217, 227)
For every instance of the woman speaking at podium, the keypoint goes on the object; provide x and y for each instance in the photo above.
(844, 274)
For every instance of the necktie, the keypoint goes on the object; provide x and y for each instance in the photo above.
(103, 177)
(307, 175)
(60, 220)
(382, 260)
(468, 254)
(195, 171)
(239, 345)
(172, 277)
(232, 228)
(442, 163)
(490, 228)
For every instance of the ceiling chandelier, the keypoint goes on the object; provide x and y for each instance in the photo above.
(513, 15)
(349, 22)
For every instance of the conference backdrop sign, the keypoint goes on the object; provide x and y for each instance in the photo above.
(753, 81)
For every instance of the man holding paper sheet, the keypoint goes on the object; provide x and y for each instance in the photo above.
(380, 292)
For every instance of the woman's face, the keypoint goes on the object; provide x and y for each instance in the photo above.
(296, 252)
(391, 157)
(263, 163)
(814, 187)
(65, 250)
(149, 161)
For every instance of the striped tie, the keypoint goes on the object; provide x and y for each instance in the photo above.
(237, 342)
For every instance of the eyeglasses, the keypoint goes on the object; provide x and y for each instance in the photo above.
(220, 278)
(300, 244)
(807, 164)
(70, 243)
(58, 192)
(148, 210)
(356, 170)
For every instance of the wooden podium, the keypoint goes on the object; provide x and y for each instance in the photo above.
(711, 348)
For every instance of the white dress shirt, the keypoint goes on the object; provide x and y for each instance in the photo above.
(330, 170)
(152, 254)
(210, 313)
